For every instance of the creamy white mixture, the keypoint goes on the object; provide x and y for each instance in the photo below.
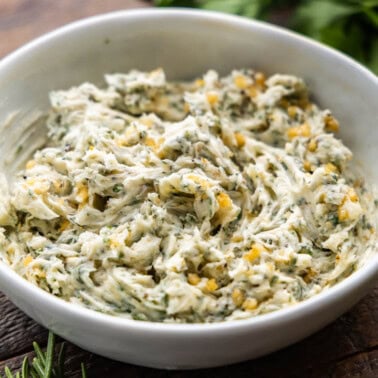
(217, 199)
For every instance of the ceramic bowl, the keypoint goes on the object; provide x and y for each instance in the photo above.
(186, 44)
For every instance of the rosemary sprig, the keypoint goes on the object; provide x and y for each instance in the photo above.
(43, 364)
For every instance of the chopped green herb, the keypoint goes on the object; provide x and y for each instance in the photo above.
(117, 188)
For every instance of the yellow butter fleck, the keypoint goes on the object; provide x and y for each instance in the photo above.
(303, 130)
(237, 297)
(254, 253)
(312, 145)
(292, 111)
(40, 273)
(330, 168)
(212, 98)
(211, 285)
(224, 201)
(331, 124)
(64, 225)
(30, 164)
(200, 181)
(30, 181)
(240, 139)
(82, 192)
(249, 304)
(27, 260)
(237, 238)
(342, 214)
(10, 250)
(114, 244)
(252, 91)
(39, 190)
(150, 142)
(307, 166)
(194, 279)
(146, 121)
(260, 79)
(352, 195)
(241, 82)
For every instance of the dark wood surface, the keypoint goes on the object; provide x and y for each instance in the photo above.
(346, 348)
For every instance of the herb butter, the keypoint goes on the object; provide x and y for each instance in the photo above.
(204, 201)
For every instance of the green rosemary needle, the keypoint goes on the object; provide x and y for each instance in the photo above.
(43, 364)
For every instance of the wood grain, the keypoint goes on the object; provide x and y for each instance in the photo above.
(23, 20)
(346, 348)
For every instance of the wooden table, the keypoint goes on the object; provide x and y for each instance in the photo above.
(346, 348)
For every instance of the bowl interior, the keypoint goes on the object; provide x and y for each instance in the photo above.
(185, 45)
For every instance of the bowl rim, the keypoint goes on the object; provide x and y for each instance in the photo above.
(360, 277)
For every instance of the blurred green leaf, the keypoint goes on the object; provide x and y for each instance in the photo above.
(229, 6)
(348, 25)
(313, 16)
(349, 40)
(372, 15)
(373, 64)
(177, 3)
(247, 8)
(252, 10)
(368, 3)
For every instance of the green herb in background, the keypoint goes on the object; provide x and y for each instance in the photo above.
(248, 8)
(43, 364)
(350, 26)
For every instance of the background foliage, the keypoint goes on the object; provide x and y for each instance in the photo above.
(350, 26)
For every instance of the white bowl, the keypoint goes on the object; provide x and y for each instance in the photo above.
(185, 44)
